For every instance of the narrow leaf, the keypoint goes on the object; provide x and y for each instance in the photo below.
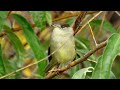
(70, 21)
(111, 51)
(6, 62)
(112, 76)
(106, 25)
(48, 17)
(3, 16)
(2, 68)
(103, 67)
(97, 71)
(33, 41)
(1, 24)
(73, 70)
(81, 44)
(39, 18)
(82, 73)
(17, 45)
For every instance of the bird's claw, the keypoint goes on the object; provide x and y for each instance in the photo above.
(56, 70)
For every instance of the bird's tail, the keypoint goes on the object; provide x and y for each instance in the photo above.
(50, 66)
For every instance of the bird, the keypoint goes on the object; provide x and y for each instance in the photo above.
(62, 37)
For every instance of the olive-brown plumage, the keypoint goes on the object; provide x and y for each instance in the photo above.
(61, 36)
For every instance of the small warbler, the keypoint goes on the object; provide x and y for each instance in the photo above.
(61, 35)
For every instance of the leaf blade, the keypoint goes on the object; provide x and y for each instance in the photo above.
(17, 45)
(106, 25)
(3, 16)
(31, 37)
(109, 54)
(39, 17)
(2, 68)
(48, 18)
(81, 73)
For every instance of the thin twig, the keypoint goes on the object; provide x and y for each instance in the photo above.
(91, 61)
(33, 25)
(84, 58)
(78, 21)
(15, 30)
(73, 15)
(9, 13)
(9, 74)
(88, 22)
(103, 19)
(92, 34)
(117, 13)
(56, 19)
(68, 16)
(72, 64)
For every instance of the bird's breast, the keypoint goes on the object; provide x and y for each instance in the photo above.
(66, 45)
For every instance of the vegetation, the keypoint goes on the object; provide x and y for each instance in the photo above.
(25, 37)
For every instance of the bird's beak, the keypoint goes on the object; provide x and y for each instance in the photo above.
(56, 25)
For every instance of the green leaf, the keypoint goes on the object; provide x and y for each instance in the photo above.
(97, 71)
(3, 16)
(41, 18)
(118, 30)
(48, 17)
(116, 67)
(112, 76)
(81, 44)
(111, 51)
(103, 67)
(70, 21)
(6, 62)
(33, 41)
(82, 73)
(74, 69)
(1, 23)
(2, 68)
(17, 45)
(106, 25)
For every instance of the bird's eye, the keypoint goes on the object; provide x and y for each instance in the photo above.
(65, 25)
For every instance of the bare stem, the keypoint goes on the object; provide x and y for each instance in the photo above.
(88, 22)
(68, 66)
(84, 58)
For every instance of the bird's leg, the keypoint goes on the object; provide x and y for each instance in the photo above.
(55, 69)
(71, 62)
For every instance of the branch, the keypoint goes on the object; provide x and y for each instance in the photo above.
(62, 70)
(79, 20)
(33, 25)
(88, 22)
(18, 70)
(84, 58)
(72, 15)
(9, 13)
(56, 19)
(117, 13)
(15, 30)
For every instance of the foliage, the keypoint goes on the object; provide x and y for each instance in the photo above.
(3, 16)
(103, 68)
(41, 18)
(27, 44)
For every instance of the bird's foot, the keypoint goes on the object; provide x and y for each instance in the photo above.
(55, 70)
